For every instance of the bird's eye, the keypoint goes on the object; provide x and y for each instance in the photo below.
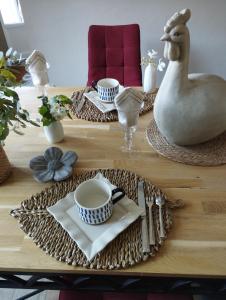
(176, 33)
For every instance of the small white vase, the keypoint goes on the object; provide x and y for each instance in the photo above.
(150, 78)
(54, 132)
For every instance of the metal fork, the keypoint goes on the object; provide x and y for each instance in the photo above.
(150, 203)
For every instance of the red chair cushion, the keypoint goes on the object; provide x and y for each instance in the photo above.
(70, 295)
(114, 52)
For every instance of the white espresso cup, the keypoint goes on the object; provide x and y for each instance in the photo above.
(94, 199)
(107, 89)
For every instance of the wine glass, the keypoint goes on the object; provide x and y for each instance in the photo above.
(128, 119)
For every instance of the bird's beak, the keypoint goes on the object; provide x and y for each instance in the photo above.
(165, 37)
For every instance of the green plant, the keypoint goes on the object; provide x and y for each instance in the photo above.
(54, 109)
(11, 113)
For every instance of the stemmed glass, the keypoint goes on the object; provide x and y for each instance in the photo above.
(40, 80)
(128, 120)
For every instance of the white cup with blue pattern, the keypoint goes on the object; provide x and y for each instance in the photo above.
(107, 89)
(95, 200)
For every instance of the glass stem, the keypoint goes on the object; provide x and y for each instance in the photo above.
(129, 138)
(43, 90)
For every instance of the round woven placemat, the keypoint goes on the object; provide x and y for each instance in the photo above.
(5, 167)
(211, 153)
(89, 111)
(125, 250)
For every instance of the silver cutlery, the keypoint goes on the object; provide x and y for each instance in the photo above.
(150, 204)
(141, 203)
(160, 201)
(79, 100)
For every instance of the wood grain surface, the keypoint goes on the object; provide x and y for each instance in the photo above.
(197, 242)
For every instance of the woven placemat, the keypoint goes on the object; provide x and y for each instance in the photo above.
(5, 167)
(211, 153)
(89, 111)
(125, 250)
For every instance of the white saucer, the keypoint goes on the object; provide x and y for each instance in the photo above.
(103, 106)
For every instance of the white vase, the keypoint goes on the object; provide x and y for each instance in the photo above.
(150, 78)
(54, 132)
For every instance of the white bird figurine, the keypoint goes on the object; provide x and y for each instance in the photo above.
(189, 109)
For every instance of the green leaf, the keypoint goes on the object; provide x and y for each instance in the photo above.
(17, 131)
(63, 99)
(25, 112)
(2, 62)
(1, 129)
(43, 110)
(9, 93)
(6, 102)
(46, 122)
(22, 116)
(69, 116)
(7, 74)
(34, 123)
(4, 133)
(21, 123)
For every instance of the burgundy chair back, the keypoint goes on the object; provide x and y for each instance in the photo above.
(114, 52)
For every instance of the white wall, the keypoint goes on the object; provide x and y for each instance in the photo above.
(59, 29)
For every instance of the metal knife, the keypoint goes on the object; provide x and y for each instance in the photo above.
(142, 204)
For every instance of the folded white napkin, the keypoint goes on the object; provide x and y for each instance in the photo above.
(91, 239)
(37, 67)
(128, 104)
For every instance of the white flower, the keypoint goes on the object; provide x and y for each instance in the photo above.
(58, 112)
(152, 59)
(161, 65)
(52, 101)
(153, 54)
(15, 53)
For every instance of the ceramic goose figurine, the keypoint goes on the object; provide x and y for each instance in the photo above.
(189, 109)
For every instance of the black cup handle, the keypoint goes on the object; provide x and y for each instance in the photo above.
(94, 84)
(119, 197)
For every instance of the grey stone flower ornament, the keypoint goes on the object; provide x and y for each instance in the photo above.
(53, 165)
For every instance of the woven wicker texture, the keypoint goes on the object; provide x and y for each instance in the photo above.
(125, 250)
(210, 153)
(89, 111)
(5, 167)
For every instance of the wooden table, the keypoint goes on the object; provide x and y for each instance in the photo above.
(195, 251)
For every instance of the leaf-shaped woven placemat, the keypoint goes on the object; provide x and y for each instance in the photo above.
(89, 111)
(125, 250)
